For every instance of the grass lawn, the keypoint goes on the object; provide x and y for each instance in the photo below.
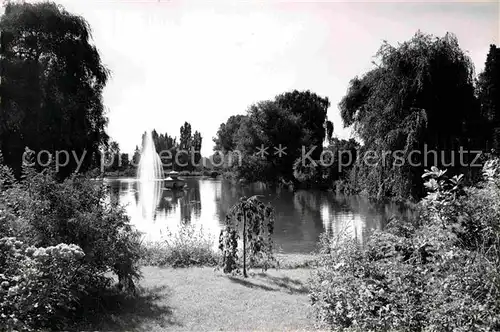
(202, 299)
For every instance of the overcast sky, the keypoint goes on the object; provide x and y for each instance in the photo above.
(203, 61)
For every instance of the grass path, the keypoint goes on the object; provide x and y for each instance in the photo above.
(201, 299)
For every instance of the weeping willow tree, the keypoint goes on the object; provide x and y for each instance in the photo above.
(255, 222)
(51, 85)
(420, 94)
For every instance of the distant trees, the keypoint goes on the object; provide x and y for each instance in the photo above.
(182, 155)
(51, 85)
(125, 160)
(289, 123)
(136, 157)
(112, 156)
(185, 141)
(344, 154)
(196, 148)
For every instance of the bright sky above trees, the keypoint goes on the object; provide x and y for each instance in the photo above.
(202, 61)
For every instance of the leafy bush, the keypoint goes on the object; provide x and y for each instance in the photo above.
(439, 273)
(39, 286)
(69, 237)
(188, 247)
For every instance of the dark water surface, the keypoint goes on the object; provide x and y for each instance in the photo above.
(301, 216)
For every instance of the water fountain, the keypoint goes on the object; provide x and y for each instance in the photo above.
(150, 178)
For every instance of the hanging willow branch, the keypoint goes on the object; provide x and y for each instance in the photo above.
(256, 220)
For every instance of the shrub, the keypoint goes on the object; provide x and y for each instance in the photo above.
(189, 247)
(39, 286)
(76, 235)
(76, 211)
(440, 272)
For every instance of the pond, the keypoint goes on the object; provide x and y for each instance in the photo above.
(301, 216)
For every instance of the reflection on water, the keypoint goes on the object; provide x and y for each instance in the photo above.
(301, 216)
(148, 197)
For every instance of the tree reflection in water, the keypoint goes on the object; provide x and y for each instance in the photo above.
(188, 200)
(301, 216)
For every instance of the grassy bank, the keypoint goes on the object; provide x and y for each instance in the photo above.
(202, 299)
(191, 246)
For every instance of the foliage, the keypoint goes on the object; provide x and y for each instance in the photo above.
(257, 223)
(182, 155)
(306, 172)
(226, 139)
(188, 247)
(52, 81)
(420, 94)
(438, 273)
(111, 157)
(64, 239)
(311, 111)
(344, 154)
(39, 286)
(7, 177)
(196, 150)
(488, 89)
(136, 157)
(294, 121)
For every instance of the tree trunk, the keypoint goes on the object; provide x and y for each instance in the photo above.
(245, 243)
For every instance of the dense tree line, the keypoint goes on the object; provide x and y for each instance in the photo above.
(179, 155)
(51, 85)
(422, 95)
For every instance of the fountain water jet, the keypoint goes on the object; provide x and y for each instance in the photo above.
(150, 178)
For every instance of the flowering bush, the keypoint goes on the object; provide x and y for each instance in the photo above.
(439, 273)
(38, 286)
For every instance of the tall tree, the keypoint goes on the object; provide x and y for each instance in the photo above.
(156, 140)
(125, 160)
(51, 84)
(185, 138)
(273, 135)
(420, 93)
(113, 153)
(269, 126)
(488, 87)
(136, 157)
(185, 142)
(312, 110)
(196, 146)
